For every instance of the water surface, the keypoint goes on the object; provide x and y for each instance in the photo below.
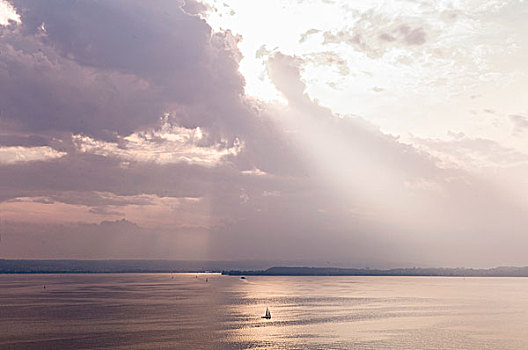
(183, 311)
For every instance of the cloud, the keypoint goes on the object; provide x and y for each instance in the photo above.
(18, 154)
(146, 107)
(374, 36)
(8, 13)
(168, 144)
(520, 123)
(306, 35)
(43, 91)
(96, 93)
(25, 140)
(255, 172)
(81, 173)
(120, 239)
(412, 36)
(105, 211)
(328, 59)
(195, 7)
(470, 153)
(153, 212)
(97, 69)
(96, 199)
(400, 187)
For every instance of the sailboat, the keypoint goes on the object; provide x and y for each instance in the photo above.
(267, 315)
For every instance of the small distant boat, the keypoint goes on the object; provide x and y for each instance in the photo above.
(267, 315)
(242, 278)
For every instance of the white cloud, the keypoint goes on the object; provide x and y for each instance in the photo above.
(165, 145)
(19, 154)
(254, 171)
(8, 13)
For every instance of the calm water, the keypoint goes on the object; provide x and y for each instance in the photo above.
(182, 311)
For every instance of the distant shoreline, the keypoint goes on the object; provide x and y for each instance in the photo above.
(104, 272)
(27, 266)
(12, 266)
(507, 271)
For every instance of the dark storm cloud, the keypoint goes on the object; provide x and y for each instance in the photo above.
(42, 91)
(109, 66)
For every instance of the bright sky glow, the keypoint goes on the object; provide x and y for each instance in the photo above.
(458, 59)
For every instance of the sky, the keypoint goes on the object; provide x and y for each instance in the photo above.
(320, 132)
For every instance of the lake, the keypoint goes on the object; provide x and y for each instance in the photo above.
(210, 311)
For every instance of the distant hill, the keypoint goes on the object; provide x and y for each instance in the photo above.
(504, 271)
